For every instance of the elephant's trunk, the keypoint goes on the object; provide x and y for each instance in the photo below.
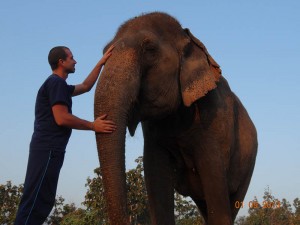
(115, 93)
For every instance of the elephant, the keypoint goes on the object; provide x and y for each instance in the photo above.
(198, 138)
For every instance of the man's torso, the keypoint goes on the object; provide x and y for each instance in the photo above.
(47, 134)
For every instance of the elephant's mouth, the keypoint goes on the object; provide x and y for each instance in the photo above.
(134, 117)
(137, 113)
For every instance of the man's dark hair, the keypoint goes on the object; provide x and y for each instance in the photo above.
(56, 54)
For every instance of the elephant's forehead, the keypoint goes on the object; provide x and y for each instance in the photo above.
(159, 23)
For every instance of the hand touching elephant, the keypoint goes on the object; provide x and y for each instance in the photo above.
(198, 137)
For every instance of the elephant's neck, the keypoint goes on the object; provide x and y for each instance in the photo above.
(176, 123)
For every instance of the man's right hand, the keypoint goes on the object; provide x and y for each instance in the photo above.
(106, 55)
(101, 125)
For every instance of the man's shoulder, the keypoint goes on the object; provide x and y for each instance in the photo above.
(54, 80)
(51, 82)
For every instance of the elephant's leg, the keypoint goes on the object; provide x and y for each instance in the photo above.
(240, 194)
(246, 150)
(159, 184)
(214, 182)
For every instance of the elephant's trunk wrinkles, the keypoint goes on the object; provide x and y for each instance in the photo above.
(115, 93)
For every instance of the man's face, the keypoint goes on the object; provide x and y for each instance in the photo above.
(69, 62)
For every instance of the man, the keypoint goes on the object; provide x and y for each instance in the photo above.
(52, 128)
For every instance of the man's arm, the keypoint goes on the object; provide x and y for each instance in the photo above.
(89, 82)
(64, 118)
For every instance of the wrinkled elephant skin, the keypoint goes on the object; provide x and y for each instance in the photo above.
(198, 137)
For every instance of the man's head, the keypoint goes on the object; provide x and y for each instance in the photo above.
(61, 57)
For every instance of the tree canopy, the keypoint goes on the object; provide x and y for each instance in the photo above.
(271, 211)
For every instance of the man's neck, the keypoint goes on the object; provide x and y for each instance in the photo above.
(61, 74)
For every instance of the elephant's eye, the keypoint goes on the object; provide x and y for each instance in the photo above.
(150, 48)
(149, 45)
(150, 52)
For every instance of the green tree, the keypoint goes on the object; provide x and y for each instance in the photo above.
(270, 212)
(240, 220)
(94, 200)
(59, 211)
(186, 212)
(81, 217)
(10, 196)
(137, 194)
(296, 205)
(136, 197)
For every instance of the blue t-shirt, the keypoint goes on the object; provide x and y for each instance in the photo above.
(47, 134)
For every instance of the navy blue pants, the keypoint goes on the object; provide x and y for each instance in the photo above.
(40, 186)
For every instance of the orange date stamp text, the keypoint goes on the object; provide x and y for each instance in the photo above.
(256, 204)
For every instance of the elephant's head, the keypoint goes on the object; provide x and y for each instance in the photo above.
(155, 67)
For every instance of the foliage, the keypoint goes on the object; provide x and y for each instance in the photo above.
(271, 211)
(296, 205)
(95, 213)
(60, 210)
(10, 196)
(186, 212)
(136, 194)
(81, 217)
(94, 200)
(136, 197)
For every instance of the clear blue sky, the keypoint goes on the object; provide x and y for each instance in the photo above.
(257, 44)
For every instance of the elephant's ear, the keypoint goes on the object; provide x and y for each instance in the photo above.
(199, 71)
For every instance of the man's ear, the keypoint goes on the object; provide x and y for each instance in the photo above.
(60, 62)
(199, 71)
